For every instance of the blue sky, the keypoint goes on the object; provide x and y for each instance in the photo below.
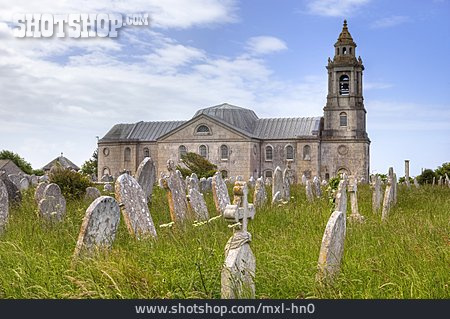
(57, 95)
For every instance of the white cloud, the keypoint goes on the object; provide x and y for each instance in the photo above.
(390, 21)
(265, 45)
(335, 8)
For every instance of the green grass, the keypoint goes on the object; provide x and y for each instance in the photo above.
(406, 257)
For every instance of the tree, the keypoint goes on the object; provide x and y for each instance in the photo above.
(195, 163)
(90, 166)
(426, 177)
(442, 170)
(19, 161)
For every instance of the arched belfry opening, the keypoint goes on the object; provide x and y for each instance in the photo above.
(344, 85)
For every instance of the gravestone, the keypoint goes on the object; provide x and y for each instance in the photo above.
(196, 200)
(277, 198)
(15, 179)
(99, 226)
(193, 182)
(220, 193)
(203, 184)
(146, 177)
(388, 196)
(440, 181)
(289, 174)
(286, 196)
(376, 196)
(353, 190)
(107, 179)
(268, 181)
(43, 179)
(317, 190)
(324, 182)
(277, 183)
(340, 200)
(39, 192)
(434, 181)
(209, 184)
(408, 184)
(134, 206)
(238, 272)
(309, 192)
(4, 206)
(176, 193)
(304, 179)
(416, 183)
(24, 184)
(52, 206)
(92, 193)
(14, 194)
(251, 182)
(394, 188)
(260, 194)
(108, 188)
(447, 180)
(332, 248)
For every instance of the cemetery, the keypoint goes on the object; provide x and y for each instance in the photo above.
(184, 237)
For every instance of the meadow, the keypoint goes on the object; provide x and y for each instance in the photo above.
(407, 256)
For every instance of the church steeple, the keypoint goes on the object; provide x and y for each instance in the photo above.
(345, 46)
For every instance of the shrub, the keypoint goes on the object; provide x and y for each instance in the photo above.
(73, 185)
(195, 163)
(442, 170)
(89, 167)
(426, 177)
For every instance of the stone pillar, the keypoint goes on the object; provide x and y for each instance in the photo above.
(407, 173)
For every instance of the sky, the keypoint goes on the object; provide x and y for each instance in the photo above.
(60, 94)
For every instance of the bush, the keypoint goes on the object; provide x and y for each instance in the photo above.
(19, 161)
(73, 185)
(195, 163)
(426, 177)
(442, 170)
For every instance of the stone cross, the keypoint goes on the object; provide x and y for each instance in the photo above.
(99, 226)
(52, 206)
(4, 206)
(353, 189)
(197, 202)
(309, 192)
(277, 182)
(332, 248)
(176, 193)
(260, 194)
(376, 196)
(146, 177)
(220, 193)
(408, 184)
(134, 206)
(238, 272)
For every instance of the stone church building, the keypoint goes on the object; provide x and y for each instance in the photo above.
(241, 143)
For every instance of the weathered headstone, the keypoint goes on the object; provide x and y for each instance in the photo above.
(24, 184)
(434, 181)
(34, 180)
(251, 182)
(353, 189)
(416, 183)
(220, 193)
(196, 200)
(107, 179)
(260, 194)
(309, 192)
(176, 193)
(332, 248)
(286, 196)
(134, 207)
(238, 272)
(340, 201)
(394, 189)
(146, 177)
(317, 189)
(99, 226)
(376, 195)
(277, 183)
(108, 188)
(277, 198)
(39, 192)
(440, 181)
(408, 184)
(92, 193)
(43, 179)
(4, 206)
(52, 206)
(15, 179)
(447, 180)
(289, 174)
(268, 181)
(14, 195)
(388, 196)
(304, 179)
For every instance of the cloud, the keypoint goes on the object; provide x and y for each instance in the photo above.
(335, 8)
(389, 22)
(265, 45)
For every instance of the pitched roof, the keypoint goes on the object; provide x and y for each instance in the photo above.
(65, 162)
(142, 131)
(10, 167)
(281, 128)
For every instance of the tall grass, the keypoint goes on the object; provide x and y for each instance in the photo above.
(404, 257)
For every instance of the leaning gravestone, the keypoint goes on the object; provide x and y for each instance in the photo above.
(332, 248)
(376, 196)
(134, 207)
(309, 192)
(340, 202)
(260, 194)
(220, 193)
(99, 226)
(238, 272)
(277, 182)
(14, 195)
(4, 206)
(176, 193)
(146, 177)
(353, 189)
(92, 193)
(196, 200)
(52, 206)
(39, 192)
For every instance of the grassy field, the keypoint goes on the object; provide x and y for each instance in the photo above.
(406, 257)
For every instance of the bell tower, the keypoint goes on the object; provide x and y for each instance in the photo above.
(344, 113)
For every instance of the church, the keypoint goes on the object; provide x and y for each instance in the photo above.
(240, 143)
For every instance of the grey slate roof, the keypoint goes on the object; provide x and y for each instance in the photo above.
(10, 167)
(65, 162)
(238, 118)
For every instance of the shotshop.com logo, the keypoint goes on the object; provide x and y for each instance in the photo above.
(74, 25)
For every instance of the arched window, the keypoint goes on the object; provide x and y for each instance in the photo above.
(203, 150)
(350, 50)
(224, 173)
(344, 88)
(182, 151)
(269, 153)
(224, 152)
(203, 129)
(106, 171)
(127, 154)
(343, 119)
(344, 50)
(146, 152)
(289, 152)
(307, 153)
(268, 174)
